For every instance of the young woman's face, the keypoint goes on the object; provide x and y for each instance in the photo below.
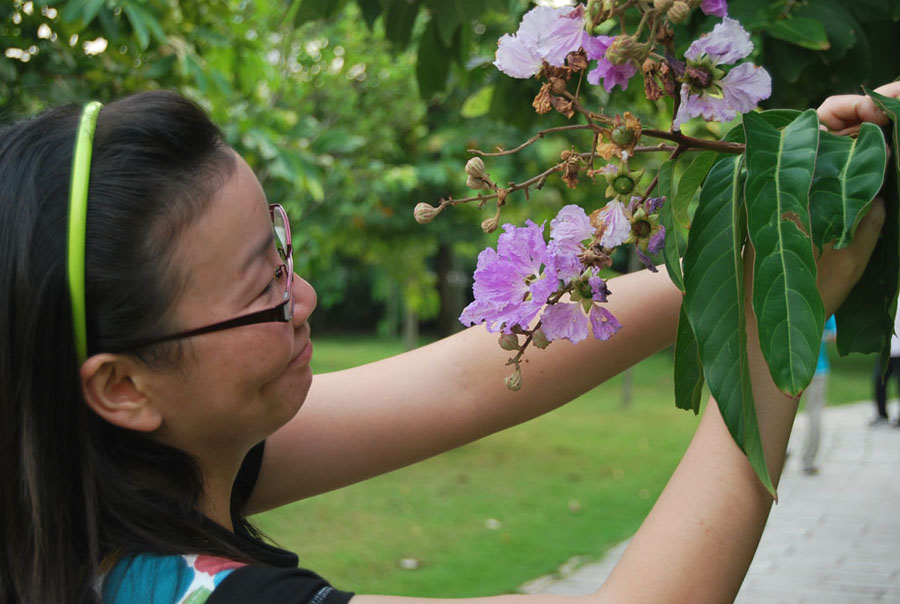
(234, 387)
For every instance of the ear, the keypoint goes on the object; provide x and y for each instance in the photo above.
(111, 384)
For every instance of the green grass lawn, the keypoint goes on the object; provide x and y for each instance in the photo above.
(489, 516)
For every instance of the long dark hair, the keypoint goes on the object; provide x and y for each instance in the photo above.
(73, 488)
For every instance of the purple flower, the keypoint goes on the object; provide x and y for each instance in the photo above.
(653, 204)
(745, 86)
(647, 260)
(618, 226)
(717, 8)
(726, 43)
(657, 240)
(603, 323)
(610, 74)
(567, 232)
(703, 93)
(545, 34)
(567, 320)
(564, 320)
(512, 283)
(599, 290)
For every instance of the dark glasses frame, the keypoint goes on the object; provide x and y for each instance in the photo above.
(282, 313)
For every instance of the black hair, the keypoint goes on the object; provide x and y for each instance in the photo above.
(74, 489)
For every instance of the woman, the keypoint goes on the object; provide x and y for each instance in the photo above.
(146, 410)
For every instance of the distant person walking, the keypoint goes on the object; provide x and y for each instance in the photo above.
(881, 380)
(814, 398)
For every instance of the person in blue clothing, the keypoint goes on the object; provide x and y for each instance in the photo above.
(814, 398)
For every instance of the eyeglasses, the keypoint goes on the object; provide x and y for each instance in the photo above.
(282, 281)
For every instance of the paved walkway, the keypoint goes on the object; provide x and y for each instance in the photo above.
(834, 538)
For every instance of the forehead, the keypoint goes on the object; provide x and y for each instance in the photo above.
(212, 251)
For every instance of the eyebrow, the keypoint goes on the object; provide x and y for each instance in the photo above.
(261, 249)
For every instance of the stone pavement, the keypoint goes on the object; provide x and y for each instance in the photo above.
(833, 538)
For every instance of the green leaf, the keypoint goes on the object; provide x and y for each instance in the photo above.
(399, 19)
(81, 11)
(865, 320)
(371, 10)
(449, 15)
(478, 103)
(788, 309)
(840, 26)
(137, 18)
(714, 305)
(804, 32)
(672, 248)
(690, 181)
(777, 118)
(849, 172)
(433, 62)
(310, 10)
(688, 371)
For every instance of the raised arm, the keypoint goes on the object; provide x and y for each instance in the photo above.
(371, 419)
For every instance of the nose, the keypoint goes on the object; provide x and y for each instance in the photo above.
(305, 300)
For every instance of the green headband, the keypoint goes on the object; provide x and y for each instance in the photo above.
(78, 194)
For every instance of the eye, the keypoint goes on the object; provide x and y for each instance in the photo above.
(276, 279)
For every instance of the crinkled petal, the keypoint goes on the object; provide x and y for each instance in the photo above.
(657, 240)
(693, 105)
(515, 58)
(745, 86)
(565, 36)
(611, 75)
(726, 43)
(647, 260)
(716, 8)
(564, 262)
(524, 247)
(564, 321)
(570, 227)
(618, 227)
(596, 46)
(598, 288)
(653, 204)
(542, 288)
(603, 323)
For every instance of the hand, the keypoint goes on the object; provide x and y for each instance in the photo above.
(844, 111)
(839, 270)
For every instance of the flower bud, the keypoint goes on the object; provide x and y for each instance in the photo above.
(509, 341)
(475, 167)
(425, 213)
(489, 225)
(476, 182)
(662, 5)
(622, 136)
(679, 12)
(539, 339)
(625, 48)
(514, 380)
(623, 184)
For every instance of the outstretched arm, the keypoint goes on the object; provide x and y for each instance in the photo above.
(371, 419)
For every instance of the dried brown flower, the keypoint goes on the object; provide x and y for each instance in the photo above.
(542, 102)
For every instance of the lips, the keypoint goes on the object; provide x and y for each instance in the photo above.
(304, 356)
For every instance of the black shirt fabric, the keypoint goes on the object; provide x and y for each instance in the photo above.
(277, 579)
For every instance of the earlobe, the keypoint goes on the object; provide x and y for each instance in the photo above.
(111, 387)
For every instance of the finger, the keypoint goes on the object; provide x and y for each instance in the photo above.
(847, 110)
(891, 89)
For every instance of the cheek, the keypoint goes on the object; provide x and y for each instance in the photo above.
(238, 370)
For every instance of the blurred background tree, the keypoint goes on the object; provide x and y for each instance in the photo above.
(351, 112)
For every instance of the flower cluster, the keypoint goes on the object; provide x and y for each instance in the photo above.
(527, 276)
